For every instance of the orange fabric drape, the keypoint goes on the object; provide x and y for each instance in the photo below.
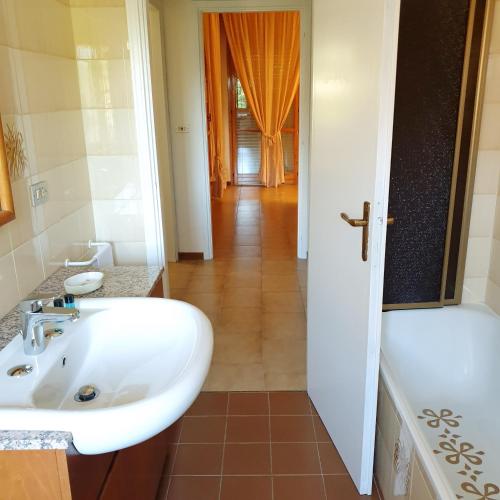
(213, 63)
(265, 47)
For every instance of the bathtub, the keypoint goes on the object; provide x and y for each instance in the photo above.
(440, 380)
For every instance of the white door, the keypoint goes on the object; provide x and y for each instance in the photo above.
(354, 53)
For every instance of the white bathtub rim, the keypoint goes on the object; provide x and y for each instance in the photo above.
(435, 473)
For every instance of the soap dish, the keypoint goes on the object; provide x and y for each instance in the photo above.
(83, 283)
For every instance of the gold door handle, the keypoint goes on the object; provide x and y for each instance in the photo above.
(363, 223)
(390, 220)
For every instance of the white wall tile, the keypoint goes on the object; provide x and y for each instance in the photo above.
(29, 267)
(494, 271)
(23, 227)
(491, 91)
(114, 177)
(487, 172)
(9, 292)
(482, 215)
(493, 296)
(474, 290)
(105, 83)
(489, 138)
(495, 35)
(478, 257)
(60, 242)
(130, 253)
(40, 26)
(69, 190)
(119, 221)
(109, 131)
(100, 33)
(54, 138)
(9, 96)
(49, 83)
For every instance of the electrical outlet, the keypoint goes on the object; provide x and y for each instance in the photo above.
(182, 129)
(39, 193)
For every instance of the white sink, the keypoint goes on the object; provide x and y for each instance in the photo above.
(147, 357)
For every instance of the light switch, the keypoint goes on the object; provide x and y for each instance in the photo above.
(182, 129)
(39, 193)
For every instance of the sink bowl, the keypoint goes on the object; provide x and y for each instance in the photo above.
(147, 357)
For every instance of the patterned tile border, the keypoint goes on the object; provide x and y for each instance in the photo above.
(457, 452)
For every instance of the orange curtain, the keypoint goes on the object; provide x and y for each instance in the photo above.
(266, 51)
(213, 63)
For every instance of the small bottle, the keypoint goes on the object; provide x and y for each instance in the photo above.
(59, 302)
(69, 301)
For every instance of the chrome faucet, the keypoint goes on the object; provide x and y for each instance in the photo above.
(35, 318)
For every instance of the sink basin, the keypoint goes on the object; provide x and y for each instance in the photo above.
(148, 359)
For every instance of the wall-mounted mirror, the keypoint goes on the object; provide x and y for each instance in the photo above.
(6, 201)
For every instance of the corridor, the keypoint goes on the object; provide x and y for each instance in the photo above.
(254, 291)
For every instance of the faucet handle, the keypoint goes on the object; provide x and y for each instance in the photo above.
(36, 306)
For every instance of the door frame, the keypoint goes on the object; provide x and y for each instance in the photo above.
(304, 8)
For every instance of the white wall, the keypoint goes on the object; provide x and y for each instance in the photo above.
(187, 108)
(482, 269)
(39, 94)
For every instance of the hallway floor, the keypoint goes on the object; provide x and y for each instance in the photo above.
(254, 291)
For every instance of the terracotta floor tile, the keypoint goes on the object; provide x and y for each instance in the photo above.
(292, 429)
(284, 355)
(242, 297)
(173, 432)
(179, 280)
(298, 488)
(285, 381)
(289, 403)
(280, 282)
(283, 325)
(230, 348)
(248, 403)
(246, 488)
(243, 279)
(206, 283)
(331, 463)
(235, 377)
(203, 430)
(240, 320)
(322, 435)
(342, 488)
(193, 488)
(282, 302)
(295, 458)
(206, 301)
(250, 429)
(247, 459)
(198, 459)
(209, 403)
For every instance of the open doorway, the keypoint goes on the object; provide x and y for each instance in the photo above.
(252, 74)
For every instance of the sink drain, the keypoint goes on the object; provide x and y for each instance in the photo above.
(86, 393)
(20, 371)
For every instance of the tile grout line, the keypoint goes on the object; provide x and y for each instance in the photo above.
(270, 444)
(223, 447)
(317, 450)
(177, 444)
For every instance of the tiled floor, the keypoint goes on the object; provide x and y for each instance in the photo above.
(255, 446)
(253, 291)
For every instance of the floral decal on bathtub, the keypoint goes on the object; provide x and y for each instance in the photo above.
(460, 453)
(445, 417)
(457, 452)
